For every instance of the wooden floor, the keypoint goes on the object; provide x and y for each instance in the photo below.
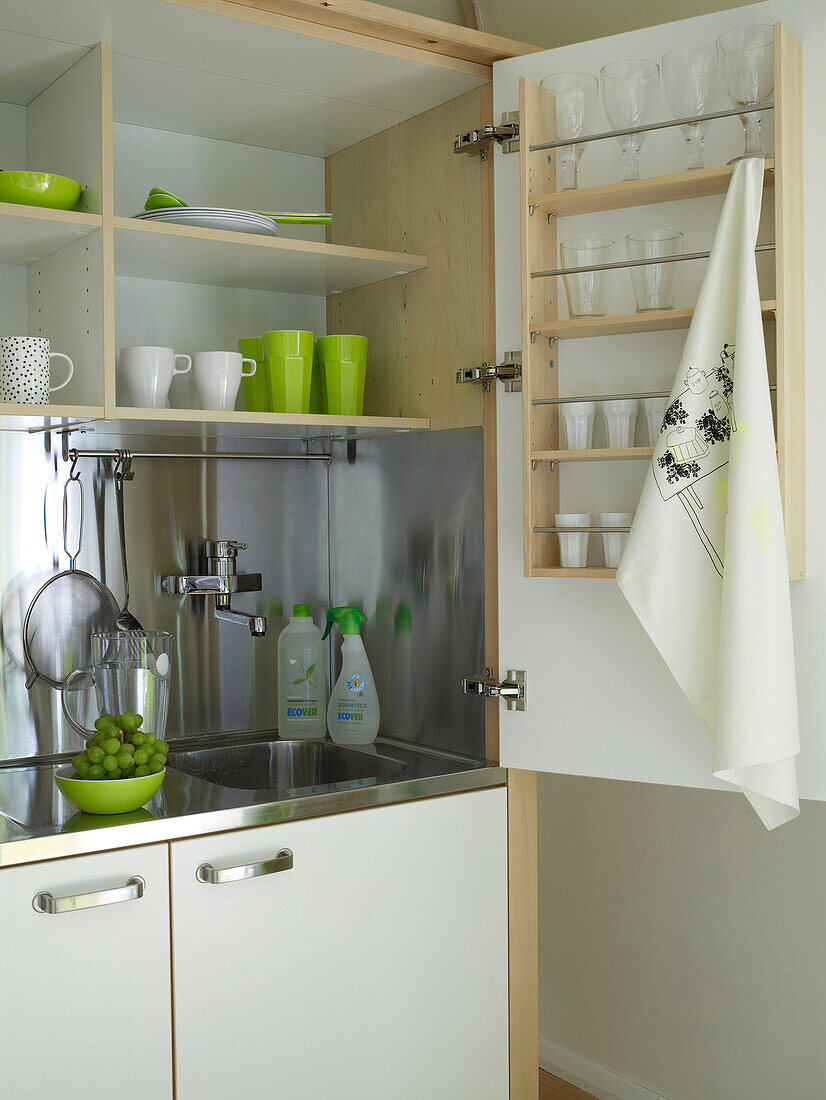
(554, 1088)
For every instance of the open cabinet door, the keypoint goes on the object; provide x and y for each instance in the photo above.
(600, 700)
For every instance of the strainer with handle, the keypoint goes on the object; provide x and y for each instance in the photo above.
(66, 610)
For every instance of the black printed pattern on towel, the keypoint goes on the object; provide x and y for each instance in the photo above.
(697, 421)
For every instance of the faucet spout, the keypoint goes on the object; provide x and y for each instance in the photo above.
(257, 623)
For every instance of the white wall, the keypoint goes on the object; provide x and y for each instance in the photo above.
(681, 946)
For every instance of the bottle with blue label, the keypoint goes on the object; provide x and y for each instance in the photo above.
(302, 678)
(353, 713)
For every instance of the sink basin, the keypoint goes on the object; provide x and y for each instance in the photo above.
(289, 767)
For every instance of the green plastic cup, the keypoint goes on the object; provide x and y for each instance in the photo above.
(288, 355)
(317, 402)
(344, 367)
(257, 397)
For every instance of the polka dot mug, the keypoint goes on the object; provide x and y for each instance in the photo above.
(25, 370)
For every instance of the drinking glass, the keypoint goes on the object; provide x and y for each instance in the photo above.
(576, 96)
(613, 542)
(746, 56)
(628, 88)
(578, 418)
(654, 283)
(573, 547)
(690, 77)
(584, 289)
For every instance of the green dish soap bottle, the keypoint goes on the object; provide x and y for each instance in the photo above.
(301, 678)
(353, 713)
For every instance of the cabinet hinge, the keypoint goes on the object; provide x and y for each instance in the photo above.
(514, 689)
(505, 134)
(509, 372)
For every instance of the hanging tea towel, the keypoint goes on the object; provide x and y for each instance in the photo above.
(704, 567)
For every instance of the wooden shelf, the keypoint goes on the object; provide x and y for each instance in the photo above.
(28, 233)
(19, 418)
(255, 425)
(187, 254)
(589, 572)
(595, 454)
(661, 320)
(617, 196)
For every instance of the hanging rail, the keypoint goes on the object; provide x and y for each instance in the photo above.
(689, 121)
(74, 454)
(647, 262)
(605, 397)
(581, 530)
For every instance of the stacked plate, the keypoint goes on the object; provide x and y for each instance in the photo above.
(212, 217)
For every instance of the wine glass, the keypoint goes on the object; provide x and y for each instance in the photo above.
(627, 90)
(746, 56)
(576, 96)
(689, 77)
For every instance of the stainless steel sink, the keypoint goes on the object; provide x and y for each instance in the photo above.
(289, 767)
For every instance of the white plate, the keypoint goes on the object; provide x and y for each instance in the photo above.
(236, 221)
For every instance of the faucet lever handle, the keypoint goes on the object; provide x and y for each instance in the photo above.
(224, 548)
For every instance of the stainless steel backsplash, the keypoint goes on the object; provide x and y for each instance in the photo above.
(395, 527)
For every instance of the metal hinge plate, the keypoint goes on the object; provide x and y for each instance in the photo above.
(505, 134)
(509, 372)
(513, 689)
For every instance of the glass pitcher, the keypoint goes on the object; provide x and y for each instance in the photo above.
(129, 671)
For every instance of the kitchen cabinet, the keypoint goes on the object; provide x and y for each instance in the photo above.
(86, 978)
(371, 962)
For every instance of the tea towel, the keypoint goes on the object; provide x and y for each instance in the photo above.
(704, 567)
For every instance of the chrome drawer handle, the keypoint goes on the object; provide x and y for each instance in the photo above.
(48, 903)
(217, 876)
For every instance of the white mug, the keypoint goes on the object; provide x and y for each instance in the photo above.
(218, 375)
(148, 373)
(25, 370)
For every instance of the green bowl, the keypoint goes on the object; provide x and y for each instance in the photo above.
(107, 796)
(39, 189)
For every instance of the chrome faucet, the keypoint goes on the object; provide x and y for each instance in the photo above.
(220, 581)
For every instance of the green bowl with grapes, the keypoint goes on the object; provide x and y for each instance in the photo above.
(107, 796)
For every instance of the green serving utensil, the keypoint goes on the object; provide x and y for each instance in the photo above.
(159, 199)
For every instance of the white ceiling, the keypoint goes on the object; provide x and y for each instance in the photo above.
(558, 22)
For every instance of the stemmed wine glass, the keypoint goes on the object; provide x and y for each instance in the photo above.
(689, 77)
(627, 90)
(746, 56)
(576, 96)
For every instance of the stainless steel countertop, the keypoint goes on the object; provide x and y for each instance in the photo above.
(37, 823)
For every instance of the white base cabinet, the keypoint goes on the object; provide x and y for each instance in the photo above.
(375, 967)
(86, 992)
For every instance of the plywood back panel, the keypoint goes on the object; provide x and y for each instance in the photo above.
(406, 189)
(64, 132)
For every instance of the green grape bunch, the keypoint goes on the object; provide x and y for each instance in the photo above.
(120, 750)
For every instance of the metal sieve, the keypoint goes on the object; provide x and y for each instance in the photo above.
(66, 610)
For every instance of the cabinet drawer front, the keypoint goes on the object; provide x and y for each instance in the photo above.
(86, 971)
(375, 966)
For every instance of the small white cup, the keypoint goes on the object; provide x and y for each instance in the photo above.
(621, 418)
(578, 418)
(573, 548)
(613, 542)
(148, 373)
(654, 412)
(25, 374)
(218, 376)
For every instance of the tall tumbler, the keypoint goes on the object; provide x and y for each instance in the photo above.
(584, 289)
(654, 283)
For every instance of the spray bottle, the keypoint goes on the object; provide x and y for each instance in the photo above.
(353, 714)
